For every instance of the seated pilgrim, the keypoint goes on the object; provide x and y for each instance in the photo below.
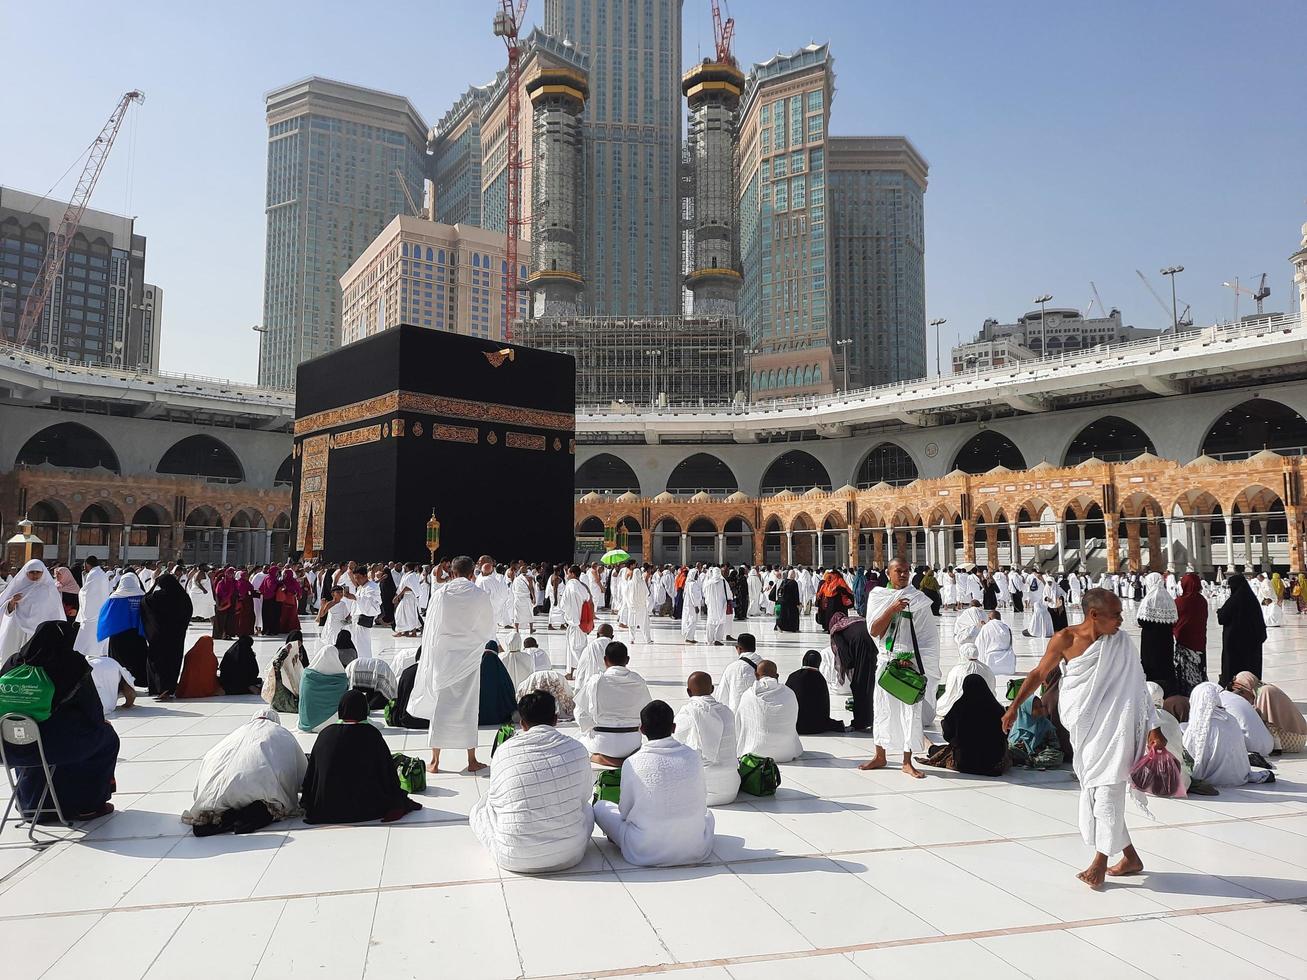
(321, 686)
(608, 708)
(498, 694)
(830, 670)
(112, 681)
(199, 677)
(968, 624)
(399, 716)
(767, 719)
(1283, 719)
(80, 746)
(350, 776)
(541, 657)
(590, 661)
(249, 779)
(812, 691)
(535, 816)
(741, 674)
(374, 678)
(1239, 703)
(968, 663)
(708, 726)
(973, 731)
(1033, 735)
(281, 681)
(994, 645)
(1172, 732)
(1216, 743)
(519, 663)
(553, 682)
(345, 648)
(239, 671)
(663, 816)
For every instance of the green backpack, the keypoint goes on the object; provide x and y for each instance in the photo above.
(506, 731)
(412, 773)
(759, 776)
(608, 786)
(27, 690)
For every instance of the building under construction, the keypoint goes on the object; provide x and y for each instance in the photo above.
(664, 360)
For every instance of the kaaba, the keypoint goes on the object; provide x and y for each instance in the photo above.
(412, 423)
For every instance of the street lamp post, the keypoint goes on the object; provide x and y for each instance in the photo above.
(1171, 271)
(937, 324)
(6, 284)
(653, 382)
(1043, 323)
(844, 345)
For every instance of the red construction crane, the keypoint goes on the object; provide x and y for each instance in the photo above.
(723, 34)
(53, 264)
(508, 23)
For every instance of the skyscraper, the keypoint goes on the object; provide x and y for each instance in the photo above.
(333, 150)
(632, 150)
(875, 192)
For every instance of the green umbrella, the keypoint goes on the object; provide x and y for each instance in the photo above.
(615, 557)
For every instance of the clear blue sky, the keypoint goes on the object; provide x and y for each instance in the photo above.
(1067, 142)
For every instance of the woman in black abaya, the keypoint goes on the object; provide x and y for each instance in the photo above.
(787, 599)
(351, 778)
(1243, 631)
(239, 672)
(165, 615)
(855, 654)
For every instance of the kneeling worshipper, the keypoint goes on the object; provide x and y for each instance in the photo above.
(322, 685)
(398, 715)
(1109, 713)
(1033, 739)
(351, 777)
(535, 816)
(447, 688)
(498, 696)
(30, 599)
(80, 746)
(555, 684)
(590, 661)
(281, 683)
(1216, 743)
(111, 683)
(519, 663)
(199, 677)
(855, 666)
(165, 617)
(540, 656)
(239, 671)
(994, 646)
(1239, 703)
(345, 649)
(967, 626)
(767, 719)
(249, 779)
(969, 663)
(608, 708)
(120, 624)
(973, 728)
(1174, 736)
(813, 694)
(1283, 720)
(662, 817)
(708, 726)
(375, 679)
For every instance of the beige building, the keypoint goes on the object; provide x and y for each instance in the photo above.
(443, 277)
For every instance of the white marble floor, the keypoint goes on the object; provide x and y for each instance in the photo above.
(842, 874)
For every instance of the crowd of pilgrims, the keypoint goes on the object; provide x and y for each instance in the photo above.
(1094, 701)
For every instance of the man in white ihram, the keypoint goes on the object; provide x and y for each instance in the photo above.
(716, 594)
(447, 688)
(608, 708)
(708, 726)
(365, 596)
(95, 590)
(766, 722)
(575, 596)
(493, 584)
(1105, 705)
(638, 596)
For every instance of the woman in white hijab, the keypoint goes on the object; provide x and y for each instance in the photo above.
(1156, 618)
(258, 763)
(1216, 743)
(30, 599)
(968, 663)
(1171, 732)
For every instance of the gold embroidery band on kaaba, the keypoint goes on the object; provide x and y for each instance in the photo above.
(524, 440)
(454, 408)
(356, 437)
(454, 433)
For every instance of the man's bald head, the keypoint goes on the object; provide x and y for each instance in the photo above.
(699, 684)
(767, 669)
(1102, 611)
(606, 629)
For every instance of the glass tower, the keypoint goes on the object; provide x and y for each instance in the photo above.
(333, 150)
(632, 150)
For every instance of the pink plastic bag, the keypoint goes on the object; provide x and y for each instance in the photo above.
(1158, 774)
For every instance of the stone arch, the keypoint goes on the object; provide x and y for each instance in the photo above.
(1261, 529)
(204, 541)
(666, 540)
(285, 476)
(606, 473)
(590, 525)
(1110, 438)
(773, 541)
(987, 449)
(737, 541)
(68, 446)
(701, 525)
(151, 527)
(95, 528)
(202, 456)
(1254, 425)
(702, 472)
(795, 470)
(886, 462)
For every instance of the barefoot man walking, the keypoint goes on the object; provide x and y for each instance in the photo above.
(1105, 706)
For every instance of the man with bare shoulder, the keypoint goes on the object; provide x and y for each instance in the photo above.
(1105, 706)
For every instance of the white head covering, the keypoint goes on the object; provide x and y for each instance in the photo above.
(1204, 708)
(20, 583)
(327, 661)
(128, 587)
(1156, 693)
(1157, 605)
(41, 602)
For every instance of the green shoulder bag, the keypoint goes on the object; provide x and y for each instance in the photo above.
(27, 690)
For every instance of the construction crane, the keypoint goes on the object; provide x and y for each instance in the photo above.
(1183, 320)
(1098, 299)
(508, 25)
(408, 195)
(1259, 294)
(723, 34)
(53, 264)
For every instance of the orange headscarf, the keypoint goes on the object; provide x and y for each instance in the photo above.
(681, 577)
(200, 671)
(831, 584)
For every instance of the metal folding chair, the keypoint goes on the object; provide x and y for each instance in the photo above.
(20, 730)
